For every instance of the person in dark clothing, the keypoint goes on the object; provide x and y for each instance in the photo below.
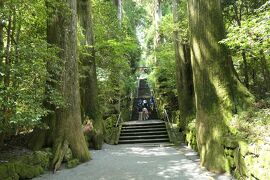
(145, 103)
(152, 103)
(139, 105)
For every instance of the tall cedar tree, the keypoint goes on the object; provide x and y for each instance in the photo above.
(184, 77)
(68, 127)
(89, 83)
(218, 93)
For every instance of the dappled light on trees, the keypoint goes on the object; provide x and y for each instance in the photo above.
(69, 73)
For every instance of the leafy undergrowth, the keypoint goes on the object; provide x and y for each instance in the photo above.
(254, 124)
(252, 131)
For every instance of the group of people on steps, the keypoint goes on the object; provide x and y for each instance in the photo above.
(145, 108)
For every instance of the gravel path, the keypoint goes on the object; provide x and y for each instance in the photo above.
(138, 162)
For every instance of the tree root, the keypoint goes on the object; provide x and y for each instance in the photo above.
(61, 149)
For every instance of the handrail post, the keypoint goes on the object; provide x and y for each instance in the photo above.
(118, 119)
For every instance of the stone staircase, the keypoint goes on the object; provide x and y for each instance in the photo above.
(148, 131)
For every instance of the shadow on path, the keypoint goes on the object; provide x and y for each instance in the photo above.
(138, 162)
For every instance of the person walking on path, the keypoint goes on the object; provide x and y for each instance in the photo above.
(145, 114)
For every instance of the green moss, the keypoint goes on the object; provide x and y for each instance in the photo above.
(231, 162)
(68, 156)
(98, 140)
(41, 158)
(27, 171)
(191, 135)
(249, 160)
(227, 165)
(96, 137)
(72, 163)
(241, 168)
(18, 170)
(230, 142)
(26, 166)
(229, 152)
(243, 148)
(113, 136)
(7, 172)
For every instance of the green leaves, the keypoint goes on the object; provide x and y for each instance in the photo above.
(21, 102)
(117, 51)
(253, 34)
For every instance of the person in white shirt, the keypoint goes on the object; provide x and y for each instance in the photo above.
(145, 114)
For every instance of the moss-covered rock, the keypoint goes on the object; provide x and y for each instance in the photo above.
(27, 171)
(41, 158)
(26, 166)
(7, 172)
(72, 163)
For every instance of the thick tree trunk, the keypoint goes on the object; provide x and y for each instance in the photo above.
(89, 84)
(1, 63)
(218, 93)
(183, 73)
(1, 44)
(68, 127)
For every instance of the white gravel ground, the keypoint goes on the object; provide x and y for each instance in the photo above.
(138, 162)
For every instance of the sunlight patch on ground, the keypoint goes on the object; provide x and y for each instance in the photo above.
(127, 162)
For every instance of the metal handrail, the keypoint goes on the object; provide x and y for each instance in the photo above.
(118, 119)
(170, 123)
(166, 115)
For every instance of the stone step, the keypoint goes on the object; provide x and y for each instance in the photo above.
(143, 133)
(143, 130)
(151, 116)
(144, 127)
(143, 141)
(143, 137)
(143, 123)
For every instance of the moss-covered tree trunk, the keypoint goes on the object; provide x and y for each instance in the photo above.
(218, 93)
(183, 73)
(1, 65)
(68, 128)
(89, 83)
(1, 43)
